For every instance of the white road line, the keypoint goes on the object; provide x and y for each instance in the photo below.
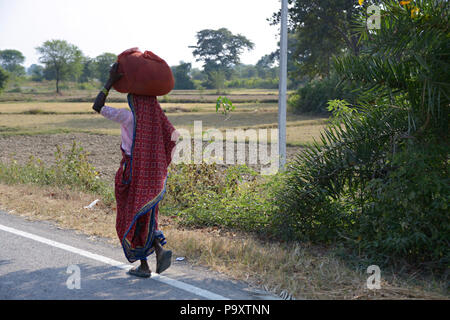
(172, 282)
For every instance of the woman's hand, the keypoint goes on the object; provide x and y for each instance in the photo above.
(114, 75)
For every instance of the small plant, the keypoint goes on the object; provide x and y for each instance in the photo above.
(338, 109)
(225, 105)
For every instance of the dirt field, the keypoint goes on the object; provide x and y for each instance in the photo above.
(104, 150)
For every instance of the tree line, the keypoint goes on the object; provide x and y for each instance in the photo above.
(219, 50)
(60, 61)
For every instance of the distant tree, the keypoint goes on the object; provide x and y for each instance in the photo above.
(293, 60)
(321, 28)
(103, 64)
(245, 71)
(89, 71)
(220, 47)
(219, 50)
(76, 67)
(36, 72)
(3, 79)
(62, 58)
(11, 61)
(217, 79)
(265, 67)
(181, 75)
(49, 73)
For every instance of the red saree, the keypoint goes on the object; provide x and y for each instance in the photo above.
(140, 180)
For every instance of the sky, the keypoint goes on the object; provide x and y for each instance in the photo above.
(165, 27)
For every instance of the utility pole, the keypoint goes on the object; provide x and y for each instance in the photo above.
(282, 94)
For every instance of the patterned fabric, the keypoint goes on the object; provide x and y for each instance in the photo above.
(140, 180)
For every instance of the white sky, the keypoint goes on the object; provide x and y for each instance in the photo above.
(166, 27)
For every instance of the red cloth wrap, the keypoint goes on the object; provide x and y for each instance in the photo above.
(140, 180)
(143, 74)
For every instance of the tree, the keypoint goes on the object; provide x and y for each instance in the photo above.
(36, 72)
(264, 67)
(89, 71)
(103, 64)
(292, 60)
(11, 61)
(378, 179)
(219, 50)
(3, 79)
(322, 28)
(181, 75)
(62, 58)
(217, 80)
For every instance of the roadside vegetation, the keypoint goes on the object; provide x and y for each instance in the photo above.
(217, 218)
(369, 184)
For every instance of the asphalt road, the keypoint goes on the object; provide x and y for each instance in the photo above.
(40, 261)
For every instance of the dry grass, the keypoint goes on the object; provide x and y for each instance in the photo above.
(52, 107)
(303, 271)
(45, 91)
(56, 123)
(86, 107)
(301, 129)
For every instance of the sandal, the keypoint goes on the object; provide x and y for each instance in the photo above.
(163, 261)
(139, 273)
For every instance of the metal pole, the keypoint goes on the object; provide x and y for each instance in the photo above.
(282, 95)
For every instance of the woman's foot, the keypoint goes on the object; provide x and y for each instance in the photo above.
(143, 271)
(163, 257)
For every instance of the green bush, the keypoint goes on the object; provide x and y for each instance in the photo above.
(407, 213)
(352, 188)
(314, 96)
(378, 181)
(86, 86)
(4, 76)
(253, 83)
(70, 170)
(236, 198)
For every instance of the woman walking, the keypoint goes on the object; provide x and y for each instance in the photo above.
(148, 140)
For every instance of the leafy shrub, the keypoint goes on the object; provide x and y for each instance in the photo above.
(253, 83)
(86, 86)
(186, 182)
(236, 198)
(15, 89)
(379, 179)
(314, 96)
(71, 169)
(352, 188)
(3, 79)
(407, 213)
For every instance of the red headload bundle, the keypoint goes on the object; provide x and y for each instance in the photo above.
(143, 74)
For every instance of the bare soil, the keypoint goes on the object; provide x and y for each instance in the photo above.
(104, 150)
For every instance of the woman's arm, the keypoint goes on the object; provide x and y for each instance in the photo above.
(101, 97)
(122, 116)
